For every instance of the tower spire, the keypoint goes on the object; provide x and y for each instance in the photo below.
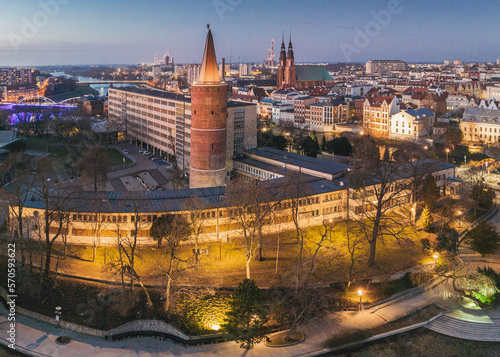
(209, 73)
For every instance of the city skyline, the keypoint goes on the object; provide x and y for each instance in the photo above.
(68, 32)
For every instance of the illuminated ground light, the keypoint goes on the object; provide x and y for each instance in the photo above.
(215, 327)
(469, 304)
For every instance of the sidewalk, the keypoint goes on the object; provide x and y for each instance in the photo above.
(39, 338)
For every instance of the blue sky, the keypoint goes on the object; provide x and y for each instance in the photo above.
(131, 31)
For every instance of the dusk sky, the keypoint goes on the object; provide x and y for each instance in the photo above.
(130, 31)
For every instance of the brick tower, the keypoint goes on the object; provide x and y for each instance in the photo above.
(208, 123)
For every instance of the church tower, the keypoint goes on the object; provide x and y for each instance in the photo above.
(290, 71)
(281, 68)
(208, 123)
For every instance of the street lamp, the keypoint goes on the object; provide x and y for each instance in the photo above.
(360, 294)
(58, 316)
(447, 152)
(459, 220)
(435, 256)
(425, 147)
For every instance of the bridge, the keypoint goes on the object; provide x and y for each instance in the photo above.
(40, 100)
(111, 82)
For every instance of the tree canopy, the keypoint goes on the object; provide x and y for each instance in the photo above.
(246, 318)
(483, 238)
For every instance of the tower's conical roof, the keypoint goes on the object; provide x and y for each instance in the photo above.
(209, 72)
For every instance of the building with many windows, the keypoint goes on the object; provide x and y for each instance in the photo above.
(411, 124)
(324, 116)
(320, 190)
(385, 66)
(15, 76)
(377, 112)
(481, 125)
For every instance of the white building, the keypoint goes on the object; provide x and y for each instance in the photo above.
(456, 102)
(278, 108)
(156, 73)
(411, 124)
(493, 92)
(481, 125)
(193, 73)
(245, 69)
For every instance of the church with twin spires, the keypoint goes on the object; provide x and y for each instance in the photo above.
(300, 76)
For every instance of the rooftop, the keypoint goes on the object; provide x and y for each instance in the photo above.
(154, 93)
(310, 72)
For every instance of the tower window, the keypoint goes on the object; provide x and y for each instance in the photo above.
(212, 146)
(212, 112)
(195, 111)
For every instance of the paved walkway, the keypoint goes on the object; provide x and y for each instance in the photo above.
(40, 338)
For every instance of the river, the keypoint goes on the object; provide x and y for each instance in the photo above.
(102, 88)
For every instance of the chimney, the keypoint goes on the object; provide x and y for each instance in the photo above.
(223, 69)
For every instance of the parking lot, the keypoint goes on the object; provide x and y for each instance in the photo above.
(145, 175)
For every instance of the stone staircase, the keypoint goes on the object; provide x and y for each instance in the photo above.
(467, 326)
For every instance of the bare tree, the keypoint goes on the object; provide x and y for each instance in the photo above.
(380, 185)
(197, 220)
(252, 203)
(18, 168)
(127, 244)
(56, 202)
(94, 164)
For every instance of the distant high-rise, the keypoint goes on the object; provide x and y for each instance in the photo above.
(156, 73)
(208, 123)
(498, 61)
(384, 66)
(15, 76)
(193, 73)
(245, 69)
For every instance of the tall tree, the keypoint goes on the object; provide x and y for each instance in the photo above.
(310, 147)
(430, 191)
(15, 171)
(252, 204)
(176, 229)
(246, 318)
(379, 186)
(453, 136)
(94, 164)
(56, 203)
(483, 238)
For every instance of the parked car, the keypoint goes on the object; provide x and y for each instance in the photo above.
(156, 158)
(141, 151)
(145, 153)
(125, 152)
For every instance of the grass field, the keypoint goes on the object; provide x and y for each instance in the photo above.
(224, 262)
(69, 154)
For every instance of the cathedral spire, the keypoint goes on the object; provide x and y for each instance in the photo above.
(283, 48)
(290, 47)
(209, 73)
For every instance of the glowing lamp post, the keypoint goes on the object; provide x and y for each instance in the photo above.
(435, 256)
(447, 152)
(360, 294)
(58, 316)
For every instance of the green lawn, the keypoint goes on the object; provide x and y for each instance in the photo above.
(66, 153)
